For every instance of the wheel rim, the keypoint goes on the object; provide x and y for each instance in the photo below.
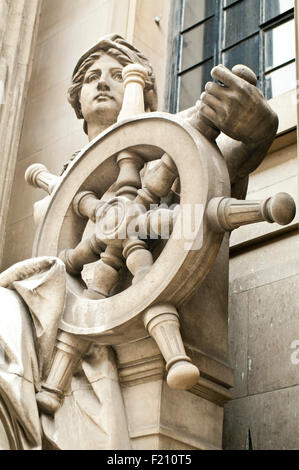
(177, 271)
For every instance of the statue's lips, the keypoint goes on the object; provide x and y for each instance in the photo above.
(103, 97)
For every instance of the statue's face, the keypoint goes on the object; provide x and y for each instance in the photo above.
(102, 91)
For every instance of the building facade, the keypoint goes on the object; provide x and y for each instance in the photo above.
(40, 42)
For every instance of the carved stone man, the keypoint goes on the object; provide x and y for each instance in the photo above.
(248, 126)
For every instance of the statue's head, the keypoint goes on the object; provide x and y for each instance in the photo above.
(96, 92)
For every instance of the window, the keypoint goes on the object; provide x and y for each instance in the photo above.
(257, 33)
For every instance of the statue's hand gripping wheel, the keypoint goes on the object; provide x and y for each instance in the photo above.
(137, 287)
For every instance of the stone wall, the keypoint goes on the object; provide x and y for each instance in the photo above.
(51, 131)
(263, 305)
(18, 30)
(264, 321)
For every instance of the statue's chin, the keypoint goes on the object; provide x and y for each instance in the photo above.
(103, 115)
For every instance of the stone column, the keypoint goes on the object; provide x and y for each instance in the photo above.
(18, 30)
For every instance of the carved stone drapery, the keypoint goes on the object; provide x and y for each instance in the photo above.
(18, 28)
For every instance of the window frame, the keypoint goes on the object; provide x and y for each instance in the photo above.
(179, 31)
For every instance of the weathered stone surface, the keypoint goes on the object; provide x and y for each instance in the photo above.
(156, 418)
(205, 317)
(265, 281)
(60, 14)
(198, 419)
(272, 418)
(273, 326)
(56, 123)
(265, 263)
(267, 276)
(278, 172)
(238, 341)
(19, 251)
(86, 23)
(263, 324)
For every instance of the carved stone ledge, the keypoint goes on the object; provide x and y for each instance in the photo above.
(152, 369)
(212, 369)
(140, 362)
(145, 370)
(211, 391)
(183, 440)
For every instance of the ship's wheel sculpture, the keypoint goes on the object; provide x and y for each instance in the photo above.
(138, 283)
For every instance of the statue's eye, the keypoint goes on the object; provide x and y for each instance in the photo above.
(91, 77)
(118, 76)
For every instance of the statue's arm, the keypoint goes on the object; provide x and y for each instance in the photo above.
(247, 123)
(242, 158)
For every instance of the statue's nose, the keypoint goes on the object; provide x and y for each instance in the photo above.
(102, 83)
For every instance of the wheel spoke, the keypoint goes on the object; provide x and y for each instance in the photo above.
(86, 204)
(87, 251)
(106, 273)
(139, 259)
(128, 181)
(158, 184)
(157, 223)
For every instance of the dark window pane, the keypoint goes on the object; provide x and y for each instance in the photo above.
(241, 20)
(246, 53)
(279, 45)
(280, 81)
(227, 3)
(197, 10)
(198, 44)
(273, 8)
(192, 84)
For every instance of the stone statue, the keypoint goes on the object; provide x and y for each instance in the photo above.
(76, 380)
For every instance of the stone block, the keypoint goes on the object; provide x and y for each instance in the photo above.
(57, 56)
(204, 316)
(237, 341)
(21, 203)
(48, 118)
(277, 166)
(18, 242)
(158, 420)
(198, 420)
(142, 404)
(284, 106)
(53, 157)
(277, 173)
(272, 418)
(265, 263)
(152, 38)
(60, 14)
(273, 326)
